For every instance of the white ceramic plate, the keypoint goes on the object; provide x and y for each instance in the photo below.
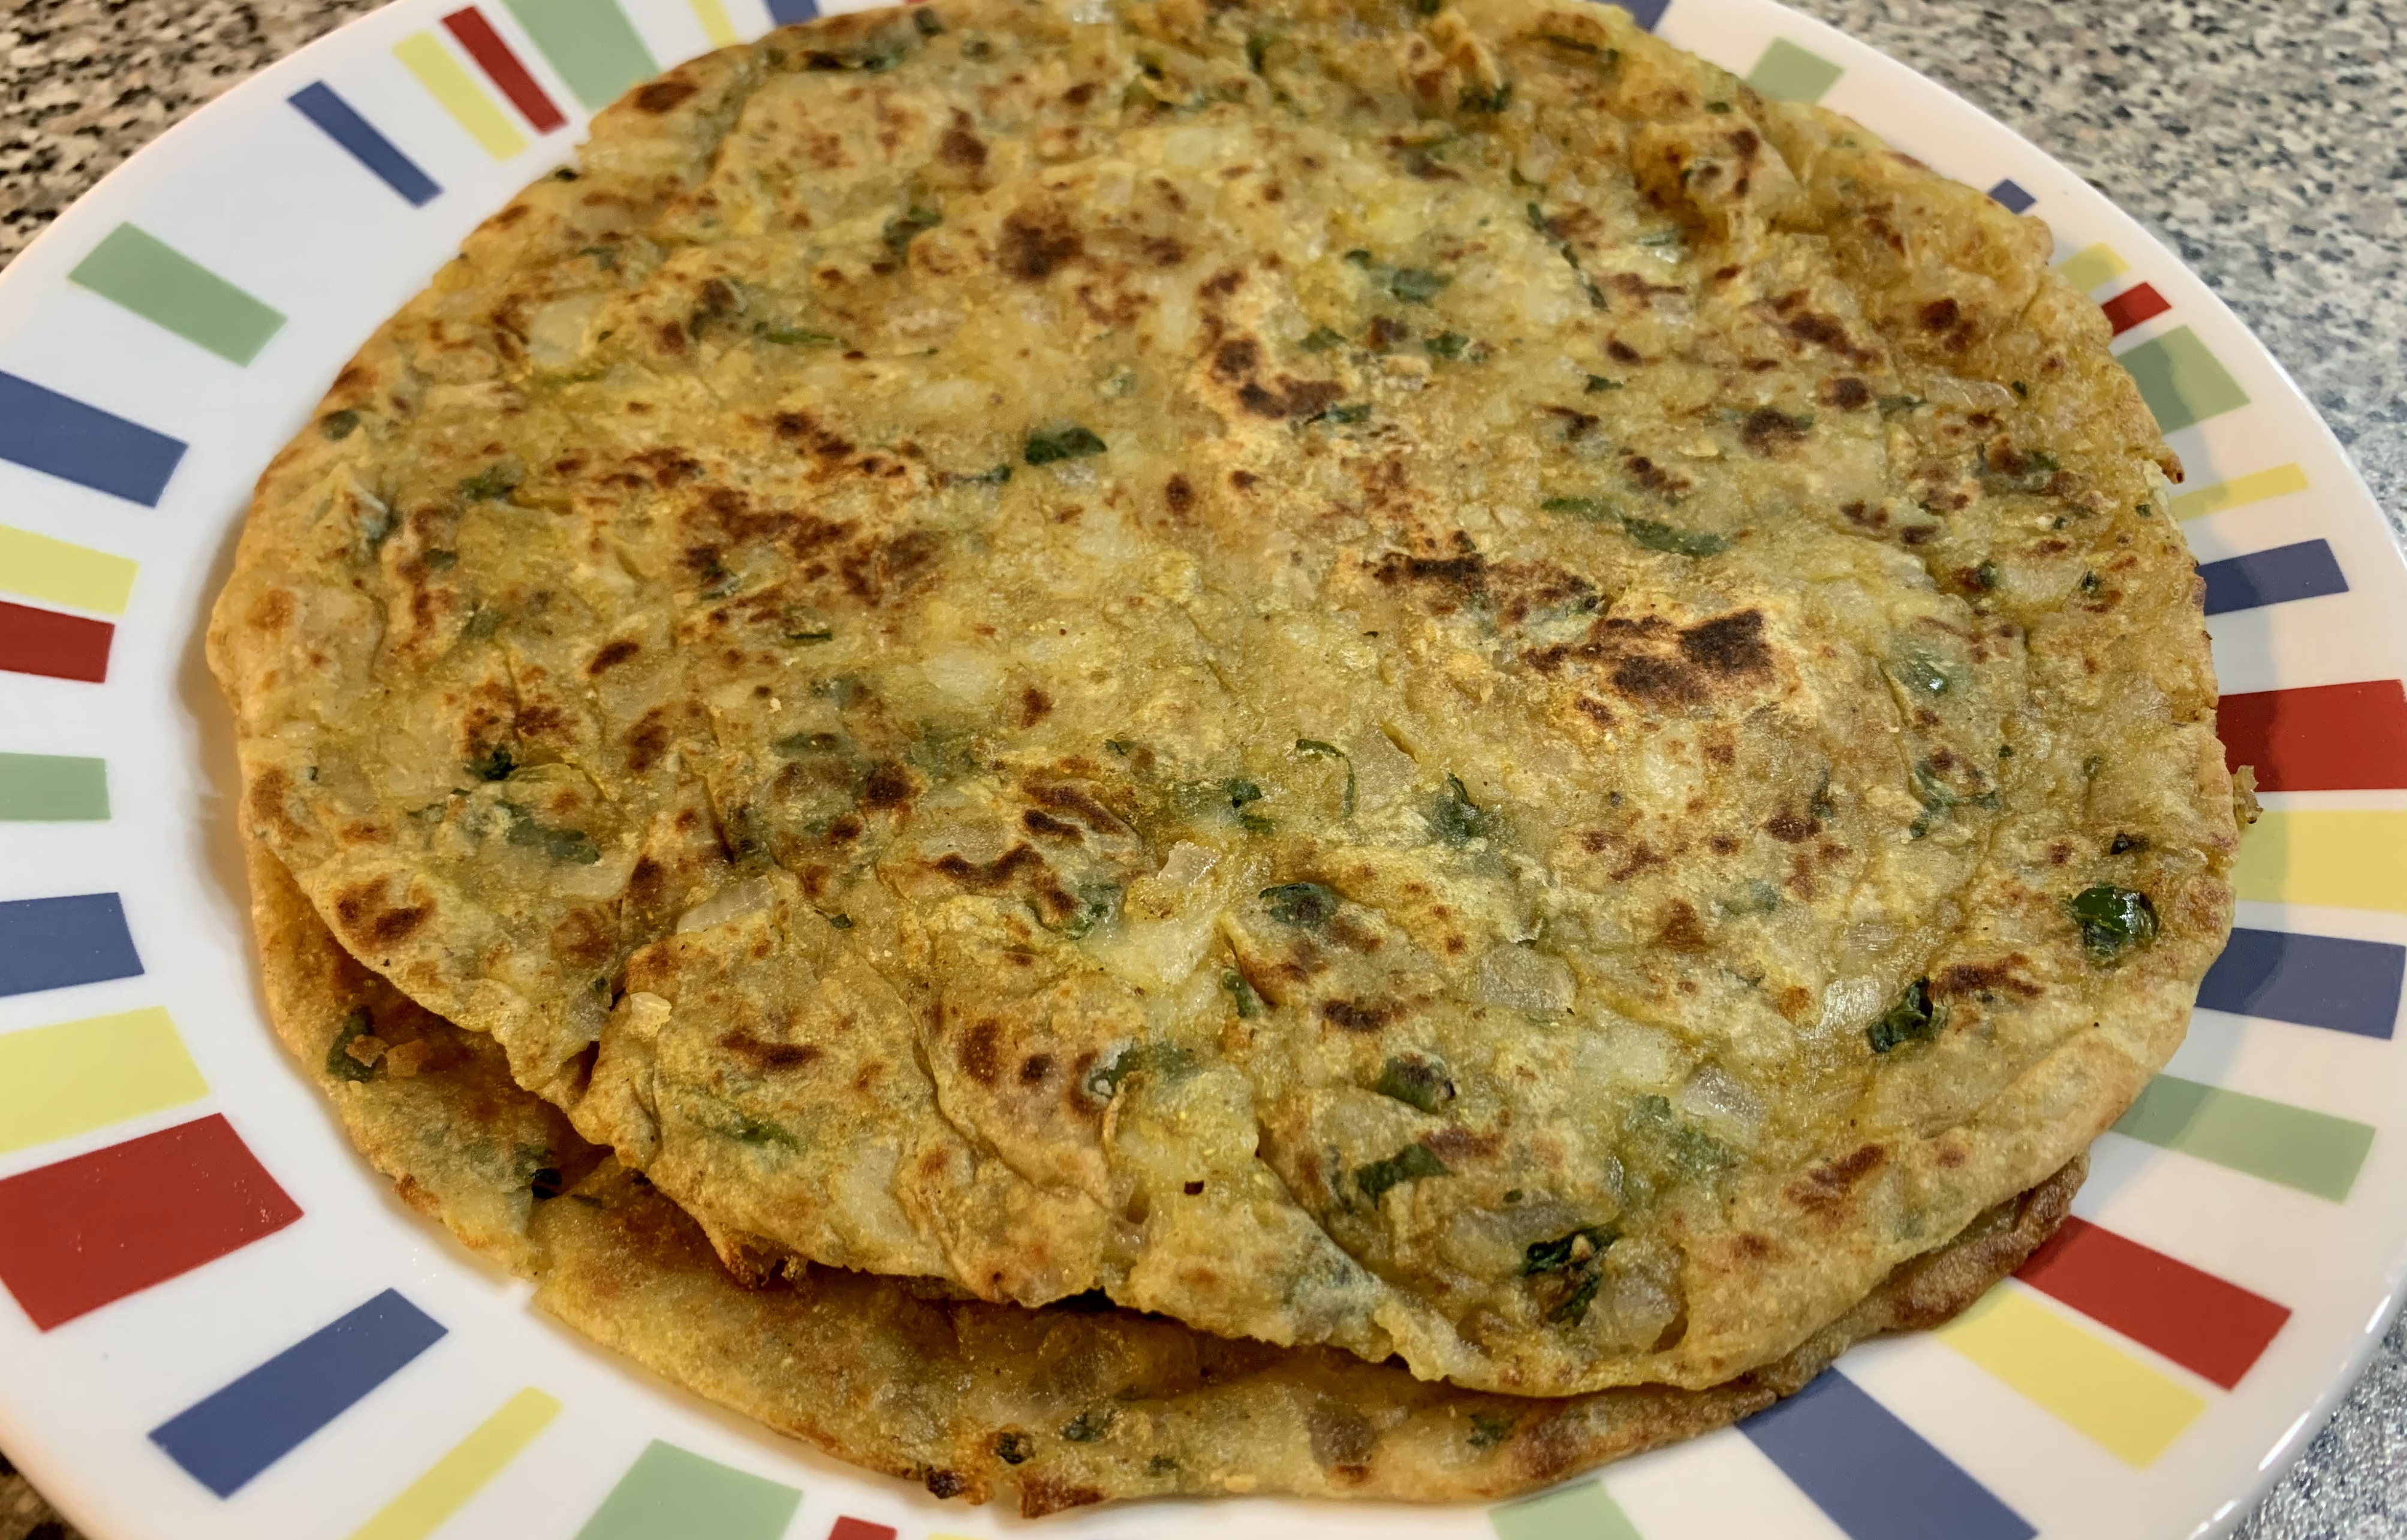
(216, 1321)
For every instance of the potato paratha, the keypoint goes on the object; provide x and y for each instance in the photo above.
(1049, 1409)
(1433, 683)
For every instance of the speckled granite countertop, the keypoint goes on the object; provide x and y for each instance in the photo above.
(2266, 143)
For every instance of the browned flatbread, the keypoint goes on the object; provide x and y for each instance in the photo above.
(1050, 1409)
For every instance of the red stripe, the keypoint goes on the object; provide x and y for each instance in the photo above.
(62, 646)
(494, 58)
(848, 1528)
(89, 1231)
(2141, 302)
(2214, 1329)
(2332, 737)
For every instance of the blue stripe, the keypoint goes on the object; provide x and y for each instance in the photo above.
(2010, 193)
(1874, 1476)
(2307, 570)
(233, 1435)
(1649, 14)
(320, 105)
(55, 942)
(2312, 980)
(785, 13)
(58, 435)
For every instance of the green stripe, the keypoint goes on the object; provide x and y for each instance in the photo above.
(2181, 382)
(1788, 72)
(590, 43)
(154, 281)
(1576, 1513)
(52, 789)
(2313, 1151)
(669, 1491)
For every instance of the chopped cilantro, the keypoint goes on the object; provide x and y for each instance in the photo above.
(1477, 99)
(1597, 382)
(1047, 445)
(1307, 905)
(1090, 1425)
(1415, 285)
(1573, 1308)
(338, 425)
(1241, 994)
(2113, 921)
(1410, 1164)
(1322, 338)
(908, 226)
(1583, 507)
(1577, 1249)
(1314, 748)
(1446, 344)
(1488, 1432)
(1912, 1019)
(569, 844)
(1456, 821)
(1417, 1082)
(494, 764)
(339, 1062)
(1013, 1448)
(1672, 538)
(492, 484)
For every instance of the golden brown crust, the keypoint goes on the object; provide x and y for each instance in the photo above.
(1438, 686)
(1048, 1409)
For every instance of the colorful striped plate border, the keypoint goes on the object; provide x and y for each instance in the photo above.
(215, 1323)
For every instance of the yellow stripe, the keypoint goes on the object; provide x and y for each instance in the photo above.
(2341, 859)
(64, 1081)
(2241, 490)
(39, 567)
(459, 1475)
(715, 24)
(2123, 1405)
(2087, 268)
(449, 83)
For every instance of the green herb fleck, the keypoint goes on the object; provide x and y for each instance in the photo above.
(1912, 1019)
(1890, 405)
(1417, 1082)
(441, 561)
(1476, 99)
(605, 257)
(1349, 412)
(1717, 107)
(494, 764)
(1410, 1164)
(1446, 344)
(750, 1130)
(1672, 538)
(1583, 507)
(1013, 1448)
(1920, 675)
(1573, 1308)
(1456, 821)
(489, 485)
(1241, 994)
(1314, 748)
(1322, 338)
(995, 477)
(1578, 1249)
(1488, 1432)
(1096, 903)
(2022, 390)
(1415, 285)
(812, 637)
(795, 746)
(1047, 445)
(1258, 47)
(908, 226)
(800, 337)
(1091, 1425)
(930, 24)
(2113, 921)
(570, 845)
(338, 425)
(1306, 904)
(1597, 382)
(339, 1062)
(840, 921)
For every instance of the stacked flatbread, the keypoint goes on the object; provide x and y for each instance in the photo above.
(1515, 738)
